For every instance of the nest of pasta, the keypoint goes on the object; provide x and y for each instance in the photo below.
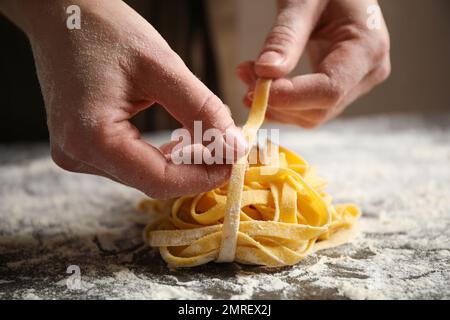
(285, 215)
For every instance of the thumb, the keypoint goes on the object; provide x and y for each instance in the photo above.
(189, 101)
(286, 41)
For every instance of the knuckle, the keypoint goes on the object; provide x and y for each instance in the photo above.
(103, 137)
(214, 113)
(381, 48)
(60, 159)
(333, 94)
(72, 145)
(384, 45)
(80, 142)
(377, 45)
(280, 37)
(68, 139)
(384, 71)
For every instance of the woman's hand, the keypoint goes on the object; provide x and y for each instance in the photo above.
(348, 58)
(96, 78)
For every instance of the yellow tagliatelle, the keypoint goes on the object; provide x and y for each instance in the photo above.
(271, 213)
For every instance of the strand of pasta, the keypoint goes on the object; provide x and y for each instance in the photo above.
(230, 227)
(273, 214)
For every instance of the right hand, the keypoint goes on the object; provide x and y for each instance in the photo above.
(95, 79)
(348, 59)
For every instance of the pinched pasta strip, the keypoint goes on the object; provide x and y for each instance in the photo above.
(230, 227)
(272, 214)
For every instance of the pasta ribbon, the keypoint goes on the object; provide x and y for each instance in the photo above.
(273, 212)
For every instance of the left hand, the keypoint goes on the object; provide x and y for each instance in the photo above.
(348, 59)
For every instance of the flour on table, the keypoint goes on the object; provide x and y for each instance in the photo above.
(395, 168)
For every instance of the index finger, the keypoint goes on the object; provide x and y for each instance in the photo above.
(140, 165)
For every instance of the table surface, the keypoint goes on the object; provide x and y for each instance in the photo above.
(396, 168)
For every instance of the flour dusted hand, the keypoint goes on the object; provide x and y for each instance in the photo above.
(348, 46)
(273, 214)
(96, 78)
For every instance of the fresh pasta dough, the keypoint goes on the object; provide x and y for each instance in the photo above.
(273, 212)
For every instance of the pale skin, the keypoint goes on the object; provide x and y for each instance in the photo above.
(94, 80)
(348, 59)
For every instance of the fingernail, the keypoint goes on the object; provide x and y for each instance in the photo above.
(250, 95)
(271, 58)
(235, 140)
